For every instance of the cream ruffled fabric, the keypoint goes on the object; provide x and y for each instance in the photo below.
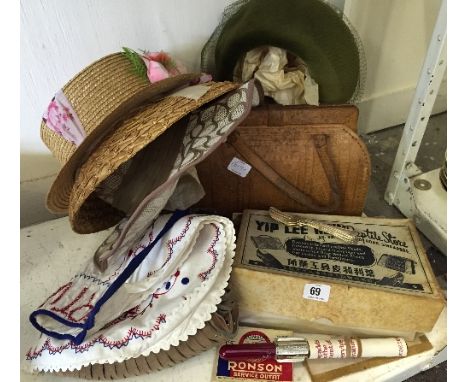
(171, 295)
(288, 83)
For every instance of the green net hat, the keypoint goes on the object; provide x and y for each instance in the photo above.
(313, 30)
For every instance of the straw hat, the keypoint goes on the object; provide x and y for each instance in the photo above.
(90, 213)
(160, 176)
(94, 102)
(97, 97)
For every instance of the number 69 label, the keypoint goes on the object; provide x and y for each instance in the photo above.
(318, 292)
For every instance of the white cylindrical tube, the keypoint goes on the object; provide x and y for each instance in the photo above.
(333, 348)
(383, 347)
(357, 348)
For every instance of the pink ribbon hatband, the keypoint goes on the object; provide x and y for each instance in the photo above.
(61, 118)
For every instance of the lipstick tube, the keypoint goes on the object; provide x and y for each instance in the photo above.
(297, 349)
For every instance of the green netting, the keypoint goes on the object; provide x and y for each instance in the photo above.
(314, 30)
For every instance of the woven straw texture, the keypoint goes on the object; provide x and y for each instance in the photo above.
(101, 95)
(89, 213)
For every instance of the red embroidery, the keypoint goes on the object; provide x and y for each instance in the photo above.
(170, 245)
(89, 307)
(69, 313)
(214, 255)
(64, 289)
(172, 242)
(141, 247)
(129, 314)
(132, 333)
(133, 252)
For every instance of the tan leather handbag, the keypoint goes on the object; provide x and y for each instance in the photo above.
(303, 159)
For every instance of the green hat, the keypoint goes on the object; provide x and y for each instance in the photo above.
(309, 29)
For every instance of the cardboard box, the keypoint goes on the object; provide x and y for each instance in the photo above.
(301, 279)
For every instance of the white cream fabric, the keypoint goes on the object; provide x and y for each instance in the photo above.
(287, 82)
(168, 297)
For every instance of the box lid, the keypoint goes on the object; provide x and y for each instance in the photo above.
(384, 282)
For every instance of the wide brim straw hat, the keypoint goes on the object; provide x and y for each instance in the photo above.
(312, 30)
(88, 107)
(90, 213)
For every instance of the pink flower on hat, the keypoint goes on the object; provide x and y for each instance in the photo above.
(161, 66)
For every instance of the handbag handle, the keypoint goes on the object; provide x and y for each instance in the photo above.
(320, 142)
